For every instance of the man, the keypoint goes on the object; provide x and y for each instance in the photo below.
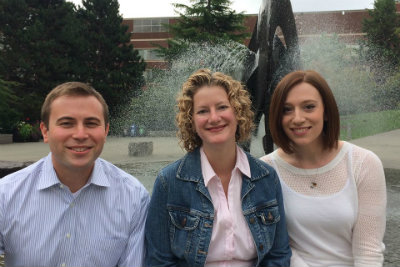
(72, 208)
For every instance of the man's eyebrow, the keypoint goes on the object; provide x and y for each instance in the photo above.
(92, 118)
(65, 118)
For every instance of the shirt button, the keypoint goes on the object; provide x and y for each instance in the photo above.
(63, 265)
(62, 186)
(252, 220)
(68, 235)
(261, 247)
(183, 222)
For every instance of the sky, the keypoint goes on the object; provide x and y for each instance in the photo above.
(164, 8)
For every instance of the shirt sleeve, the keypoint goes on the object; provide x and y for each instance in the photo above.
(369, 228)
(135, 251)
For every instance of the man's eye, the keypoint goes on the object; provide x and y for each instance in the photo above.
(92, 124)
(66, 124)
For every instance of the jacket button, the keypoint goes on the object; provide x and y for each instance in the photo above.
(252, 220)
(183, 223)
(270, 216)
(261, 247)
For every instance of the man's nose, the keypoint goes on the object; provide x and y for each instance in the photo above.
(80, 132)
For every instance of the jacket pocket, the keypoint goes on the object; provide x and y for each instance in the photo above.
(183, 228)
(262, 222)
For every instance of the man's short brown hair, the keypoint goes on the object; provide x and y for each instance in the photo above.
(71, 89)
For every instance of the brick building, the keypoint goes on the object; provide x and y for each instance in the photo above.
(347, 25)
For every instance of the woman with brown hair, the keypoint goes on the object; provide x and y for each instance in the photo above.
(334, 192)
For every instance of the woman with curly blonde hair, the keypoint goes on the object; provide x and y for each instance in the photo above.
(218, 205)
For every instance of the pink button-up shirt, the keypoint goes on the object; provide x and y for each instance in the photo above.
(231, 242)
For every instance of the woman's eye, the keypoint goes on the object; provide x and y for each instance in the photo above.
(310, 107)
(223, 107)
(286, 110)
(201, 111)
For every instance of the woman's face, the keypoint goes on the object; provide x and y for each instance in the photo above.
(214, 117)
(303, 116)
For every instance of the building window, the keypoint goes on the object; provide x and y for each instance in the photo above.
(150, 54)
(150, 25)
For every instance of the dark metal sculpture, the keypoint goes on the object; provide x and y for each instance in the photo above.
(274, 58)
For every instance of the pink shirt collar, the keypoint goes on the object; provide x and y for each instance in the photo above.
(242, 164)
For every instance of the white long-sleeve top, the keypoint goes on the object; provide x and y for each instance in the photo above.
(336, 214)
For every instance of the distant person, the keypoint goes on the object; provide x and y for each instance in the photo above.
(334, 191)
(216, 206)
(72, 208)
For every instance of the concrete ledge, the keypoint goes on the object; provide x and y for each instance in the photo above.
(7, 167)
(6, 138)
(140, 149)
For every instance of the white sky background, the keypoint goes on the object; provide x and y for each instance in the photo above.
(164, 8)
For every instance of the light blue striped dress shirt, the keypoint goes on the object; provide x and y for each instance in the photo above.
(43, 224)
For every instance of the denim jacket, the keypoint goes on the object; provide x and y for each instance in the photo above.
(181, 214)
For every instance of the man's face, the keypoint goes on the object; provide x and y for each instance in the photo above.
(76, 133)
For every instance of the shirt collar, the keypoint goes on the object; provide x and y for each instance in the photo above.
(48, 176)
(242, 164)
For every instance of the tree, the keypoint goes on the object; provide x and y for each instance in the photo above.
(114, 68)
(382, 40)
(9, 114)
(206, 21)
(39, 41)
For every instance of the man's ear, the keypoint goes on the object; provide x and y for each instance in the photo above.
(44, 131)
(107, 128)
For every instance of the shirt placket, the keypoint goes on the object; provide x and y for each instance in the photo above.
(68, 233)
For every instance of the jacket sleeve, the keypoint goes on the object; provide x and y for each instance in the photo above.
(157, 224)
(280, 252)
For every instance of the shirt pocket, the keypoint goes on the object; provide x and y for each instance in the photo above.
(183, 229)
(104, 251)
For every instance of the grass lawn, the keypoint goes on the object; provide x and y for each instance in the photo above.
(366, 124)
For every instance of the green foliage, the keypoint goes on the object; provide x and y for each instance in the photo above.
(39, 41)
(352, 85)
(24, 131)
(205, 21)
(47, 42)
(382, 45)
(366, 124)
(114, 68)
(9, 114)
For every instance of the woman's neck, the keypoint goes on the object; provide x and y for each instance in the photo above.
(222, 159)
(310, 157)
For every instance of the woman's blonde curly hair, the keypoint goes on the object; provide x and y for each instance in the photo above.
(238, 98)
